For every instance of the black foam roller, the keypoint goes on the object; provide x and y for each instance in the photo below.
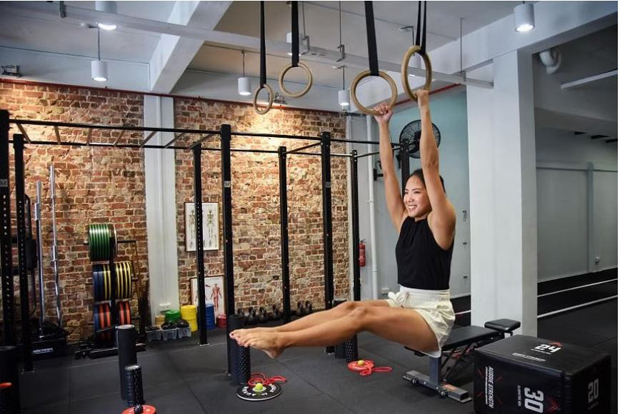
(350, 349)
(234, 322)
(243, 365)
(133, 379)
(9, 373)
(126, 342)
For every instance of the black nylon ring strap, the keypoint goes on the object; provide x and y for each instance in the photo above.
(263, 68)
(295, 32)
(423, 46)
(373, 60)
(263, 54)
(416, 41)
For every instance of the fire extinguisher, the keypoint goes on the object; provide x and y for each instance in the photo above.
(362, 253)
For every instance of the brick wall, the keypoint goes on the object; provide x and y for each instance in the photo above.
(255, 198)
(92, 185)
(103, 185)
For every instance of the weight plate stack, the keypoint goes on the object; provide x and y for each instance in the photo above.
(103, 322)
(102, 281)
(124, 313)
(102, 242)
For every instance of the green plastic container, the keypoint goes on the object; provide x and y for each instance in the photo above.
(172, 315)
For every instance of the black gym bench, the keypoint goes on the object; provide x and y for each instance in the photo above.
(458, 349)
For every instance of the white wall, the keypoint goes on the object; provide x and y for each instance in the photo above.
(449, 114)
(562, 223)
(606, 219)
(566, 226)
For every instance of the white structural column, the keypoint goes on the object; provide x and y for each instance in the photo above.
(502, 162)
(159, 171)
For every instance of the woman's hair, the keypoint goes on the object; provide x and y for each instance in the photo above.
(420, 174)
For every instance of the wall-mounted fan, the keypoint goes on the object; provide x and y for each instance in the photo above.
(412, 132)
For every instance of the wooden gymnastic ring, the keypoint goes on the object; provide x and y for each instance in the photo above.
(405, 76)
(357, 80)
(271, 97)
(298, 94)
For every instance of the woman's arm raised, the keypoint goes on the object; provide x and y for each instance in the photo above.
(393, 198)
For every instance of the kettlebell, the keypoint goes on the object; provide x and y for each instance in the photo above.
(251, 317)
(301, 311)
(262, 315)
(308, 308)
(275, 314)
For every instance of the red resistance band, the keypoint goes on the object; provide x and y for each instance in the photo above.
(366, 368)
(257, 377)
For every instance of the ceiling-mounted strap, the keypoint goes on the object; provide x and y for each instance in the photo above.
(423, 46)
(295, 32)
(263, 68)
(373, 60)
(263, 53)
(416, 40)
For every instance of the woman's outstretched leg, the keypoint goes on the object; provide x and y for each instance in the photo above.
(317, 318)
(404, 326)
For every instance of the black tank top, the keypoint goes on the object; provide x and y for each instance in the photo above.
(422, 263)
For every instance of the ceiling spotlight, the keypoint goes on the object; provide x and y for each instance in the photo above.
(244, 84)
(107, 7)
(524, 17)
(99, 69)
(343, 94)
(343, 98)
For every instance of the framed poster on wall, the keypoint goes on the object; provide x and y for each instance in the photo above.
(210, 227)
(214, 293)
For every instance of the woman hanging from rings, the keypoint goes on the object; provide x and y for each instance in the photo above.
(420, 315)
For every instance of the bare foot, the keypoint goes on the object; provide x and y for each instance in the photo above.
(268, 342)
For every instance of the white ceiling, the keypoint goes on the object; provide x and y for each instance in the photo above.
(66, 36)
(322, 26)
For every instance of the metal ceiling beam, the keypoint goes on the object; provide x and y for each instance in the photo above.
(173, 54)
(590, 79)
(315, 54)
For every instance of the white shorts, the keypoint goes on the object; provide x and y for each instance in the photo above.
(433, 305)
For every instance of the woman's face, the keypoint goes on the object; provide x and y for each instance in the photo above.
(416, 199)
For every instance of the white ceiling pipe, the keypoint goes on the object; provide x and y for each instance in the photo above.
(552, 59)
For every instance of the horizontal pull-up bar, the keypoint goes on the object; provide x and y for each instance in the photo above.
(181, 133)
(19, 122)
(199, 142)
(296, 150)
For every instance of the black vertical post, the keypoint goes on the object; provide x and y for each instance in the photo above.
(20, 199)
(228, 234)
(6, 252)
(355, 224)
(328, 262)
(286, 287)
(404, 164)
(200, 254)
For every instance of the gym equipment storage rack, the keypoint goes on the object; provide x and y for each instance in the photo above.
(225, 134)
